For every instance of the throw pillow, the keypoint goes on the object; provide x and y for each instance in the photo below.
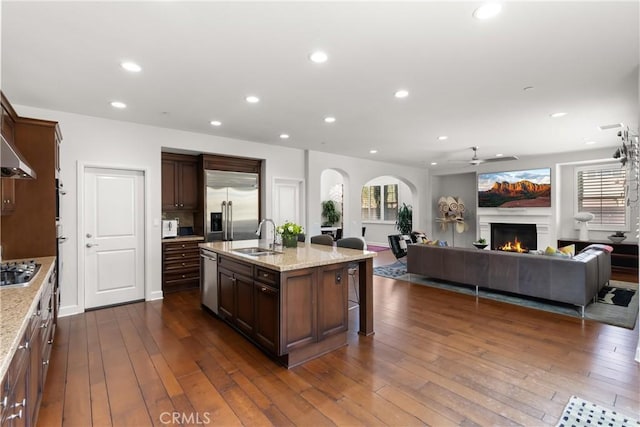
(568, 250)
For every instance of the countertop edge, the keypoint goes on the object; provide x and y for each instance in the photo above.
(356, 255)
(41, 278)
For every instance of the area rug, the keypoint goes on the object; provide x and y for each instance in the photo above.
(616, 296)
(579, 413)
(392, 271)
(617, 315)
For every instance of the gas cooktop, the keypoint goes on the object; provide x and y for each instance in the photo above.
(17, 273)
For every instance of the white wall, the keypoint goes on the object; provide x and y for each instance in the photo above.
(563, 191)
(356, 173)
(95, 141)
(464, 187)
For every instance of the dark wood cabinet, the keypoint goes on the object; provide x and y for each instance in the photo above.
(179, 182)
(267, 305)
(180, 265)
(624, 258)
(293, 315)
(30, 231)
(23, 385)
(8, 196)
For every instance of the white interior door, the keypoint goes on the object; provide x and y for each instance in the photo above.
(113, 236)
(287, 199)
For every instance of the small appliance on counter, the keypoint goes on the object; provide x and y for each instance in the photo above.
(169, 228)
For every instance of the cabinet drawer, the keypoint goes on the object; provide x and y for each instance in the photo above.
(267, 276)
(193, 273)
(180, 246)
(235, 266)
(181, 264)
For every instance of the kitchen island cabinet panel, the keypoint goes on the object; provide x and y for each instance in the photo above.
(226, 295)
(245, 312)
(333, 314)
(299, 312)
(267, 303)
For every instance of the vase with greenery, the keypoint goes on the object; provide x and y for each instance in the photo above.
(289, 232)
(330, 213)
(404, 221)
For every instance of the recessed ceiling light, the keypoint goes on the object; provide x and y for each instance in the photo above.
(402, 93)
(434, 163)
(318, 57)
(284, 136)
(487, 11)
(216, 123)
(559, 114)
(118, 104)
(443, 137)
(131, 66)
(329, 119)
(499, 155)
(373, 151)
(611, 126)
(590, 142)
(252, 99)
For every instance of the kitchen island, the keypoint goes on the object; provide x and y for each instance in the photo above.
(292, 303)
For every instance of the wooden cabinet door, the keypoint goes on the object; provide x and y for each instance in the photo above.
(188, 185)
(244, 304)
(267, 317)
(8, 196)
(333, 287)
(298, 322)
(169, 185)
(226, 296)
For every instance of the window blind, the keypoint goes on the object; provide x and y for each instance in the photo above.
(601, 191)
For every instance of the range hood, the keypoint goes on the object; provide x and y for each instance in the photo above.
(12, 164)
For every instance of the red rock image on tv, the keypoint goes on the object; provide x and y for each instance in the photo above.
(531, 188)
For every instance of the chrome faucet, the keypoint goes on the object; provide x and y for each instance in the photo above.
(271, 245)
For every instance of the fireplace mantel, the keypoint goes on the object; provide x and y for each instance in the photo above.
(541, 217)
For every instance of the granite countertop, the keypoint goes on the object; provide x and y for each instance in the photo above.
(182, 239)
(304, 256)
(16, 306)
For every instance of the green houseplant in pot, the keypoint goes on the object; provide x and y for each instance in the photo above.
(330, 213)
(404, 221)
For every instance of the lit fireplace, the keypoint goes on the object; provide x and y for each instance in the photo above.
(515, 246)
(513, 237)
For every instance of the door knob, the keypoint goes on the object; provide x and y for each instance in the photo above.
(90, 245)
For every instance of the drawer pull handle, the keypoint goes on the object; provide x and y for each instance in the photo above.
(19, 404)
(263, 289)
(265, 275)
(4, 401)
(45, 362)
(183, 276)
(14, 416)
(183, 246)
(25, 346)
(50, 341)
(44, 325)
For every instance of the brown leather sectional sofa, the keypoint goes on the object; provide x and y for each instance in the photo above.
(574, 280)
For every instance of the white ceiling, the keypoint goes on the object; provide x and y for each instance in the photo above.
(465, 76)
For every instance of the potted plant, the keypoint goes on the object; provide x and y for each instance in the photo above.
(481, 243)
(330, 213)
(289, 232)
(404, 221)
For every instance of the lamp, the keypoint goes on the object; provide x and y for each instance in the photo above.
(583, 218)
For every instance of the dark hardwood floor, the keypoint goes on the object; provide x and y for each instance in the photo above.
(437, 358)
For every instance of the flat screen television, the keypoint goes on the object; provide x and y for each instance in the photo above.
(529, 188)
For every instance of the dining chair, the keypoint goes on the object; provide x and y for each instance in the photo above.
(322, 239)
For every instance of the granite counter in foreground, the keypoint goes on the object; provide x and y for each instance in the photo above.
(304, 256)
(16, 307)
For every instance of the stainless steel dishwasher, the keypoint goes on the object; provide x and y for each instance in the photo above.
(209, 279)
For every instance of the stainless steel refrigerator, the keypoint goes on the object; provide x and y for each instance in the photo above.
(232, 205)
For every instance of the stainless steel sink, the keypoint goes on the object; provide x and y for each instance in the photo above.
(256, 251)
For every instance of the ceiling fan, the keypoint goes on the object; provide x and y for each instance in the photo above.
(476, 161)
